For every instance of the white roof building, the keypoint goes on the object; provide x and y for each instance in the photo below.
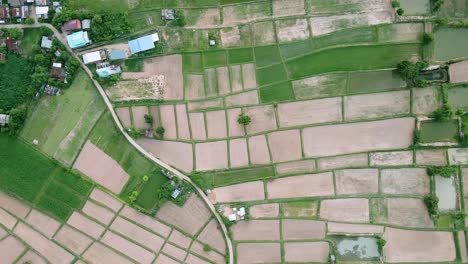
(4, 119)
(93, 57)
(155, 37)
(42, 10)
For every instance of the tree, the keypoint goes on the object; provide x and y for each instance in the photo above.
(431, 202)
(29, 21)
(400, 11)
(409, 71)
(244, 119)
(17, 118)
(179, 19)
(395, 3)
(444, 113)
(436, 5)
(45, 31)
(148, 119)
(15, 33)
(428, 38)
(160, 131)
(145, 178)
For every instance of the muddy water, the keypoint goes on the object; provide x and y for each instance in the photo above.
(356, 248)
(446, 191)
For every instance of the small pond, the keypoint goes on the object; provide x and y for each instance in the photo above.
(446, 191)
(444, 131)
(356, 248)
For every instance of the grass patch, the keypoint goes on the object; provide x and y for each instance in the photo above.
(33, 177)
(374, 81)
(295, 49)
(237, 56)
(213, 179)
(443, 131)
(102, 5)
(445, 221)
(62, 123)
(278, 92)
(351, 59)
(271, 74)
(347, 36)
(326, 85)
(149, 195)
(31, 40)
(214, 58)
(299, 209)
(133, 65)
(192, 62)
(267, 55)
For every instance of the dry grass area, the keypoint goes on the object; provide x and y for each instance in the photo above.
(141, 89)
(291, 30)
(326, 24)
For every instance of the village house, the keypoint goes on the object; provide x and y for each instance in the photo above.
(78, 39)
(15, 3)
(167, 14)
(4, 119)
(143, 44)
(4, 14)
(42, 12)
(72, 25)
(12, 44)
(94, 56)
(46, 42)
(105, 70)
(57, 72)
(117, 55)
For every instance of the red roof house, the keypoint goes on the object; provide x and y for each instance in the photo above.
(3, 14)
(12, 44)
(72, 25)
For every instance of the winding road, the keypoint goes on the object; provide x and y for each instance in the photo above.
(62, 39)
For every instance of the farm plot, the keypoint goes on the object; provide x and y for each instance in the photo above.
(168, 121)
(305, 209)
(357, 181)
(458, 72)
(326, 85)
(263, 33)
(406, 212)
(258, 150)
(345, 161)
(446, 131)
(293, 229)
(256, 230)
(413, 181)
(426, 100)
(291, 30)
(449, 43)
(453, 8)
(309, 112)
(211, 155)
(321, 25)
(288, 8)
(61, 124)
(416, 7)
(311, 185)
(202, 17)
(177, 154)
(306, 251)
(341, 6)
(345, 210)
(394, 158)
(138, 114)
(264, 116)
(377, 135)
(246, 12)
(457, 97)
(264, 210)
(258, 253)
(285, 145)
(234, 176)
(408, 32)
(374, 81)
(250, 191)
(302, 166)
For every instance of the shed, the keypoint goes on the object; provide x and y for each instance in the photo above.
(57, 72)
(117, 55)
(42, 11)
(105, 70)
(4, 119)
(11, 43)
(176, 193)
(15, 3)
(143, 44)
(167, 14)
(46, 43)
(86, 24)
(78, 39)
(94, 56)
(72, 25)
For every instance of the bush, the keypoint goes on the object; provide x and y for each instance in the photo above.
(395, 3)
(29, 21)
(444, 113)
(436, 5)
(148, 119)
(179, 19)
(431, 202)
(409, 70)
(400, 11)
(444, 171)
(134, 132)
(428, 38)
(160, 131)
(381, 244)
(416, 136)
(207, 248)
(422, 83)
(244, 119)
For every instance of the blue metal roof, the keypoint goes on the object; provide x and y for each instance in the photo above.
(141, 44)
(117, 55)
(78, 39)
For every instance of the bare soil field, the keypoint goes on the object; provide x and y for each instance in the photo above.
(210, 17)
(168, 121)
(174, 252)
(368, 106)
(213, 236)
(73, 240)
(327, 24)
(147, 221)
(154, 112)
(99, 253)
(249, 191)
(211, 255)
(243, 99)
(151, 88)
(124, 116)
(7, 220)
(10, 249)
(45, 224)
(85, 225)
(340, 228)
(138, 113)
(365, 136)
(413, 181)
(182, 121)
(256, 230)
(418, 246)
(224, 85)
(258, 253)
(408, 212)
(293, 29)
(101, 168)
(288, 8)
(264, 210)
(177, 154)
(211, 155)
(13, 205)
(302, 166)
(395, 158)
(457, 156)
(248, 76)
(431, 157)
(206, 104)
(197, 124)
(235, 129)
(236, 78)
(263, 118)
(98, 212)
(293, 229)
(306, 252)
(465, 181)
(301, 186)
(216, 124)
(463, 247)
(190, 218)
(459, 72)
(32, 257)
(127, 248)
(211, 84)
(258, 149)
(357, 181)
(346, 161)
(105, 199)
(263, 33)
(325, 85)
(285, 145)
(426, 100)
(170, 68)
(310, 112)
(180, 239)
(345, 210)
(230, 37)
(194, 86)
(238, 155)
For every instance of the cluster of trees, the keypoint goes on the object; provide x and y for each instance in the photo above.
(436, 5)
(409, 71)
(396, 5)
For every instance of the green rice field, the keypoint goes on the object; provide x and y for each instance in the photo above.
(229, 177)
(192, 62)
(432, 131)
(214, 58)
(450, 43)
(416, 7)
(458, 97)
(374, 81)
(133, 65)
(31, 176)
(271, 74)
(243, 55)
(267, 55)
(277, 92)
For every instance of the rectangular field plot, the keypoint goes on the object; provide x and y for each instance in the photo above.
(416, 7)
(228, 177)
(450, 43)
(351, 59)
(309, 112)
(258, 253)
(249, 191)
(245, 11)
(278, 92)
(457, 97)
(240, 55)
(374, 81)
(445, 131)
(271, 74)
(267, 55)
(214, 58)
(342, 6)
(326, 85)
(295, 49)
(291, 30)
(408, 32)
(192, 62)
(348, 36)
(453, 8)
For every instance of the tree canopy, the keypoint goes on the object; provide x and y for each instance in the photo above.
(15, 82)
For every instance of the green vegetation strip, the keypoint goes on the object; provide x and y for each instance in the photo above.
(31, 176)
(209, 180)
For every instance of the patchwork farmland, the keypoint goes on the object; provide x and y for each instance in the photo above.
(270, 131)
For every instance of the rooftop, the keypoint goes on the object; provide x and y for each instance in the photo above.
(46, 42)
(117, 55)
(143, 43)
(72, 25)
(78, 39)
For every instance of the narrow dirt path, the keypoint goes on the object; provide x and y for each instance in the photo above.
(108, 103)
